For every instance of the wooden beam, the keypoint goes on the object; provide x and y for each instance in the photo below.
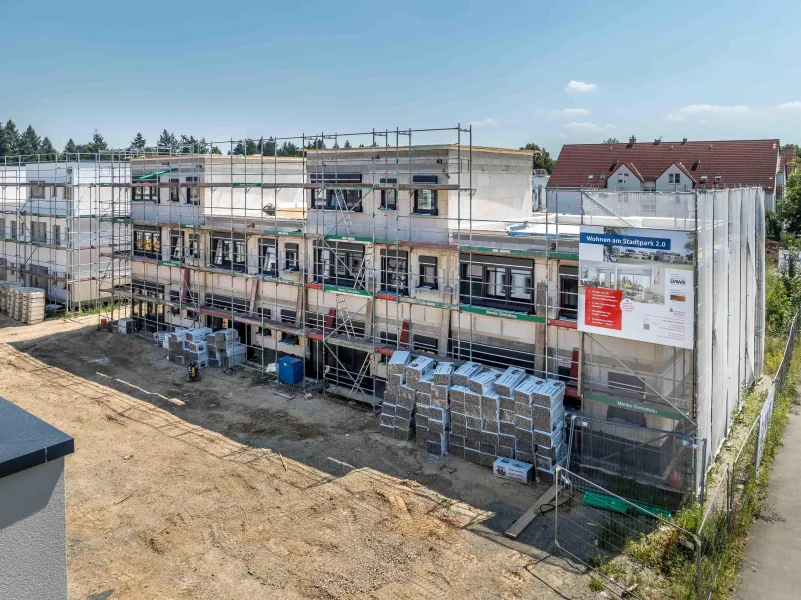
(525, 520)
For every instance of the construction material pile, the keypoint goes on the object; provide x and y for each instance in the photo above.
(397, 411)
(225, 350)
(26, 304)
(476, 413)
(5, 294)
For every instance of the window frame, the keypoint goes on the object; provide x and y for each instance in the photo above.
(232, 250)
(175, 190)
(568, 299)
(268, 249)
(425, 281)
(333, 182)
(434, 211)
(329, 270)
(151, 234)
(395, 277)
(147, 193)
(291, 264)
(393, 204)
(478, 289)
(193, 193)
(176, 244)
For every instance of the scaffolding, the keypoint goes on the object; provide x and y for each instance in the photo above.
(52, 231)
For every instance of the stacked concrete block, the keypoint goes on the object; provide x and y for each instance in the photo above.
(224, 349)
(397, 410)
(6, 288)
(433, 415)
(416, 369)
(539, 425)
(458, 430)
(27, 304)
(548, 418)
(463, 374)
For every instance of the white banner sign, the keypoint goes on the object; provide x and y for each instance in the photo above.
(637, 284)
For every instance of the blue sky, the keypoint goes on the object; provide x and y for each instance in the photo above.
(703, 70)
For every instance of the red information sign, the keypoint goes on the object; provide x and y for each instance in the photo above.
(602, 308)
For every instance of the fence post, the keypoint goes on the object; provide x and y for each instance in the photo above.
(557, 475)
(698, 561)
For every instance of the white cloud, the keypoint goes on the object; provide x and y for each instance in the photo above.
(562, 135)
(707, 111)
(483, 122)
(585, 127)
(571, 112)
(790, 106)
(580, 86)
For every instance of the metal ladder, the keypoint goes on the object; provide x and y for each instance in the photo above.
(342, 310)
(362, 274)
(339, 199)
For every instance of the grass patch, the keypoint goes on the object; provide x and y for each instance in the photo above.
(596, 585)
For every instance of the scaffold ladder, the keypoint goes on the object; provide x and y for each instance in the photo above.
(342, 206)
(342, 310)
(367, 259)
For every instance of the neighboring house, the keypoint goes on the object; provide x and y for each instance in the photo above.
(788, 162)
(663, 167)
(33, 520)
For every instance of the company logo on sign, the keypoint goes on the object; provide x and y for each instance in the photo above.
(677, 281)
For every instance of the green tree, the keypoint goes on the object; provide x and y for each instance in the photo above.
(288, 149)
(543, 159)
(215, 150)
(139, 142)
(611, 140)
(29, 142)
(347, 144)
(98, 145)
(791, 204)
(167, 143)
(70, 147)
(10, 139)
(47, 150)
(245, 148)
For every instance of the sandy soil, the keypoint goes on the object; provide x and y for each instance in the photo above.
(223, 489)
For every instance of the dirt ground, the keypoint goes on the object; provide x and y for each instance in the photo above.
(223, 489)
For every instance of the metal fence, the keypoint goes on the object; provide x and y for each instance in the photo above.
(655, 466)
(734, 501)
(596, 525)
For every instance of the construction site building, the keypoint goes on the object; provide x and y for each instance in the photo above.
(54, 230)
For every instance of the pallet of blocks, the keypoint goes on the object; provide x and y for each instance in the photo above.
(5, 295)
(28, 304)
(224, 349)
(432, 410)
(540, 425)
(397, 410)
(481, 439)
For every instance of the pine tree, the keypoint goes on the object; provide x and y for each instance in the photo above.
(347, 144)
(139, 142)
(70, 147)
(215, 150)
(267, 147)
(29, 142)
(167, 143)
(47, 150)
(248, 147)
(288, 149)
(11, 141)
(98, 145)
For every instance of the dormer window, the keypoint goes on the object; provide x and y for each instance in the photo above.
(718, 177)
(703, 178)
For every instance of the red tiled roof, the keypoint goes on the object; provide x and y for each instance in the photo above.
(739, 162)
(785, 157)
